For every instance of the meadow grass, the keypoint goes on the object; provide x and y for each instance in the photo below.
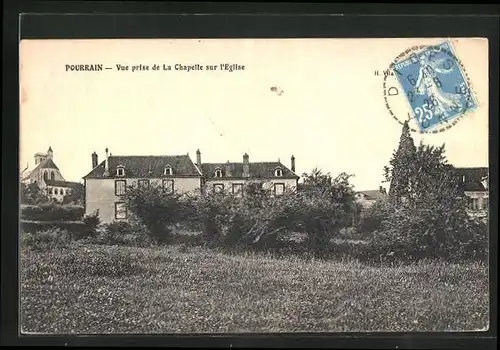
(176, 289)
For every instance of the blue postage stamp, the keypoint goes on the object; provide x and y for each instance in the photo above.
(435, 86)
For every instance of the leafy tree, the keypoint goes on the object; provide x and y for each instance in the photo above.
(401, 167)
(32, 194)
(156, 208)
(327, 205)
(76, 195)
(428, 218)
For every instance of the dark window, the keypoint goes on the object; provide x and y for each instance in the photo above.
(168, 170)
(49, 190)
(120, 172)
(120, 210)
(168, 186)
(143, 183)
(279, 189)
(52, 175)
(238, 189)
(218, 188)
(218, 173)
(278, 172)
(61, 192)
(45, 175)
(55, 191)
(120, 187)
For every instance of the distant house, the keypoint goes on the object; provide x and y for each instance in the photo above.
(107, 182)
(369, 197)
(232, 176)
(48, 177)
(474, 182)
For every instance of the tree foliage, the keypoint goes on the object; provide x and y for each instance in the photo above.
(428, 216)
(32, 194)
(76, 195)
(401, 167)
(155, 207)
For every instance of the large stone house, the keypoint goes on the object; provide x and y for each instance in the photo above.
(231, 176)
(46, 174)
(107, 181)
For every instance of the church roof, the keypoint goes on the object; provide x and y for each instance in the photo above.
(48, 164)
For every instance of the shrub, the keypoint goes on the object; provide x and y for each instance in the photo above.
(51, 212)
(34, 226)
(155, 208)
(89, 226)
(411, 233)
(124, 233)
(45, 239)
(372, 218)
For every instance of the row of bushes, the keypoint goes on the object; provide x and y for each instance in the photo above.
(259, 221)
(51, 212)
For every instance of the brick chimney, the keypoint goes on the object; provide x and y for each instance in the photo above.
(229, 169)
(94, 160)
(198, 159)
(106, 164)
(293, 163)
(246, 165)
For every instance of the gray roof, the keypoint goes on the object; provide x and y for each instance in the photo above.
(146, 166)
(257, 170)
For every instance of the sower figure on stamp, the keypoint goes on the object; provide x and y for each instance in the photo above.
(428, 83)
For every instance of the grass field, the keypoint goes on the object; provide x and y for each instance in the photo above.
(104, 289)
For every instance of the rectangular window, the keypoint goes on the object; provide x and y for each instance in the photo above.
(218, 188)
(50, 190)
(120, 187)
(474, 203)
(143, 183)
(485, 204)
(279, 189)
(120, 210)
(168, 186)
(238, 189)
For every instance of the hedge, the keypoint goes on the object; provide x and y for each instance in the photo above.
(51, 212)
(35, 226)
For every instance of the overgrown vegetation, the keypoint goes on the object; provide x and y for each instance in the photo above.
(424, 216)
(51, 212)
(90, 289)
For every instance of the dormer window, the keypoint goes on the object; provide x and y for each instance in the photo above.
(278, 172)
(120, 171)
(168, 170)
(218, 173)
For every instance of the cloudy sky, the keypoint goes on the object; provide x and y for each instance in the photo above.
(327, 107)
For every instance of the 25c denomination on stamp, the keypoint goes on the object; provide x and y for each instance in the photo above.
(435, 86)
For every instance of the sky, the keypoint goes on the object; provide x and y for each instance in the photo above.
(327, 108)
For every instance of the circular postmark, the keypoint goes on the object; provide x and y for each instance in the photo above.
(428, 87)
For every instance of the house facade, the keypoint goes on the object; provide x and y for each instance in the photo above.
(232, 176)
(474, 181)
(107, 182)
(47, 175)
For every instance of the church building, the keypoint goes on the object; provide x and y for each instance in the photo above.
(46, 174)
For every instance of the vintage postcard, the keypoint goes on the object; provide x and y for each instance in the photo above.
(254, 185)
